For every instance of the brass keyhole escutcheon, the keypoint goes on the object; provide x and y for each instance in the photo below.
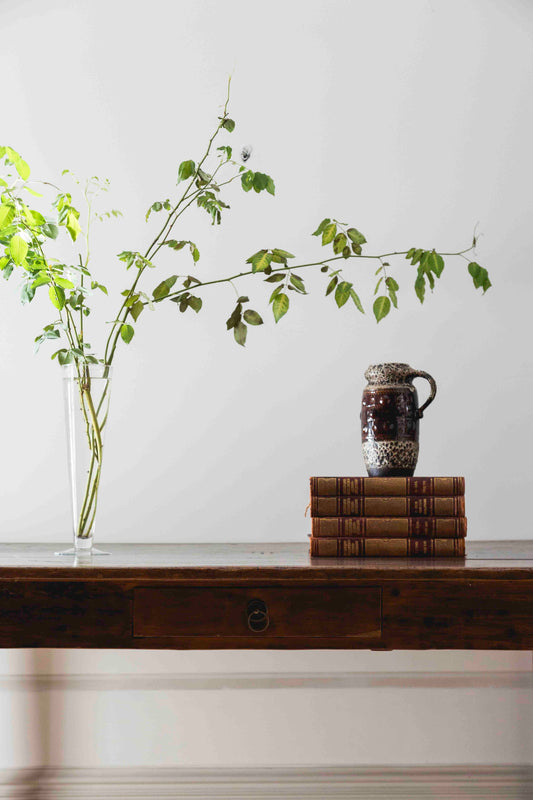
(257, 616)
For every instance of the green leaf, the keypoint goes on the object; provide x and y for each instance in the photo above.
(26, 188)
(282, 253)
(381, 307)
(414, 255)
(280, 306)
(252, 317)
(164, 287)
(72, 225)
(195, 303)
(260, 181)
(22, 169)
(480, 276)
(339, 243)
(342, 293)
(64, 283)
(239, 332)
(7, 269)
(329, 233)
(355, 298)
(57, 296)
(298, 283)
(154, 207)
(331, 285)
(321, 227)
(235, 317)
(18, 248)
(7, 215)
(277, 277)
(228, 124)
(27, 293)
(136, 310)
(185, 170)
(126, 333)
(35, 218)
(247, 180)
(270, 187)
(174, 244)
(64, 357)
(393, 287)
(128, 257)
(435, 263)
(260, 260)
(346, 252)
(203, 177)
(194, 252)
(420, 287)
(275, 293)
(41, 280)
(356, 236)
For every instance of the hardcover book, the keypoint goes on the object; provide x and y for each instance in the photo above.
(408, 506)
(361, 548)
(389, 527)
(387, 487)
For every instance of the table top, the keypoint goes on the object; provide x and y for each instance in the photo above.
(289, 560)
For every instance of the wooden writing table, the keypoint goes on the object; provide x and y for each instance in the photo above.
(202, 596)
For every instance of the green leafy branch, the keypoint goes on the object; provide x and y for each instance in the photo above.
(25, 233)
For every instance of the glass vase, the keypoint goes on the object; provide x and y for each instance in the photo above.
(86, 389)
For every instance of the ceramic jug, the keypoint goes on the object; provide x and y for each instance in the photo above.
(390, 418)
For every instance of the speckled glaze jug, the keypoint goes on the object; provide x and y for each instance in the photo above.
(390, 419)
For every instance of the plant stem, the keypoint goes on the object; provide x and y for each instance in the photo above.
(292, 268)
(124, 311)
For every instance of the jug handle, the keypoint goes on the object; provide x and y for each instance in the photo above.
(416, 373)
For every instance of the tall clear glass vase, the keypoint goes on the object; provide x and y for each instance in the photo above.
(87, 389)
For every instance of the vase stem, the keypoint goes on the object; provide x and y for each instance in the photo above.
(87, 391)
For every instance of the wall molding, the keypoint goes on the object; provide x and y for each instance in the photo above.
(267, 680)
(282, 783)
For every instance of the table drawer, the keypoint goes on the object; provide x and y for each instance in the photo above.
(271, 612)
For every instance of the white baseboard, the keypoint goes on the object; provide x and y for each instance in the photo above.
(268, 680)
(276, 783)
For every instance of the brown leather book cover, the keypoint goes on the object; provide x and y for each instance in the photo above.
(378, 548)
(408, 506)
(389, 527)
(387, 487)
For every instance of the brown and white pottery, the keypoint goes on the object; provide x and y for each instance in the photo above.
(390, 419)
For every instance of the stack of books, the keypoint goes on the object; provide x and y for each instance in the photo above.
(360, 517)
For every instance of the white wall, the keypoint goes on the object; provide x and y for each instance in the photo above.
(412, 121)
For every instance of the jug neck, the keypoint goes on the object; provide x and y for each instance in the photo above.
(386, 374)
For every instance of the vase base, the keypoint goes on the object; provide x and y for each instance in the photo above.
(72, 551)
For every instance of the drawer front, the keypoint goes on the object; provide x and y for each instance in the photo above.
(270, 612)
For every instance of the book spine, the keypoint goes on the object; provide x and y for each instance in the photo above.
(387, 487)
(389, 527)
(408, 506)
(361, 548)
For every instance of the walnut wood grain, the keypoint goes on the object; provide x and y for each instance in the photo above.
(196, 596)
(222, 611)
